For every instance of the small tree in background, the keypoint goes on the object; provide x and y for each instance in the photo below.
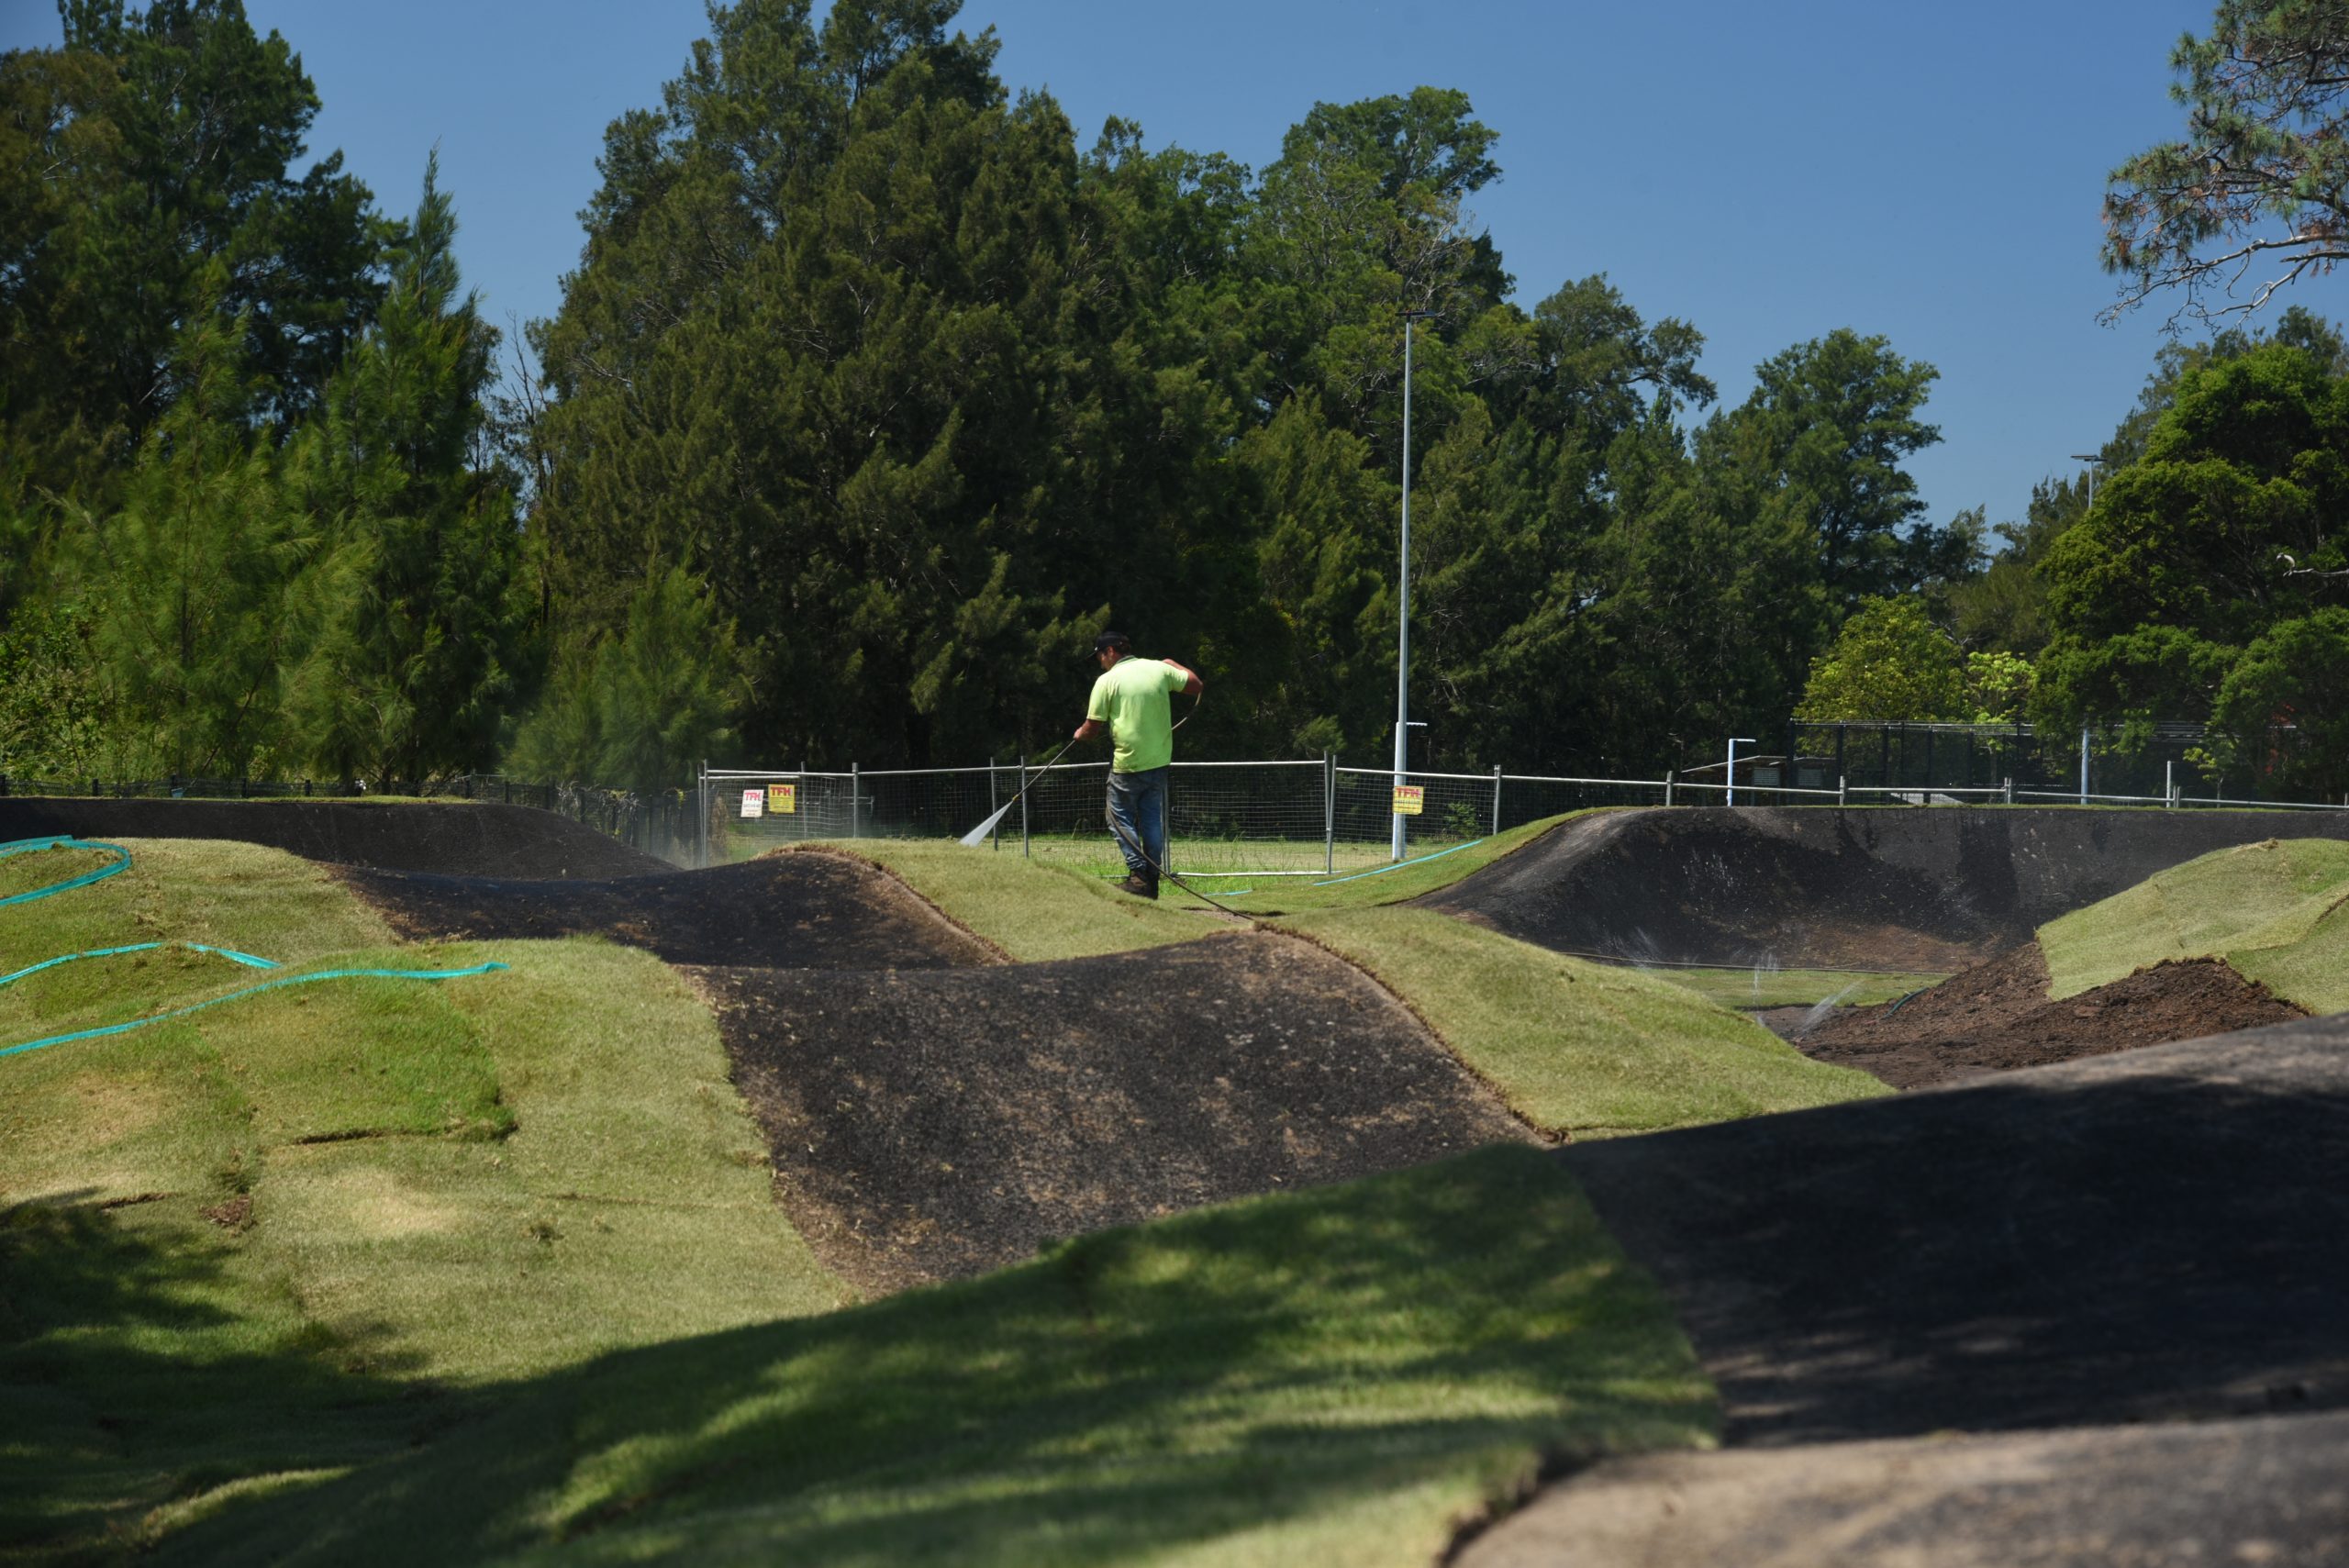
(1890, 663)
(637, 710)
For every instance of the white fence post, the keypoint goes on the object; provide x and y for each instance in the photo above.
(1669, 774)
(1329, 813)
(1496, 797)
(1023, 806)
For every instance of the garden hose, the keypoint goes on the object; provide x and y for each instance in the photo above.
(250, 960)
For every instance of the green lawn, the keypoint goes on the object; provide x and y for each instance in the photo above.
(2277, 911)
(1339, 1376)
(1576, 1048)
(260, 1239)
(1580, 1049)
(1754, 988)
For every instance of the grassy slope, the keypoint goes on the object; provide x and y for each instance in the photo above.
(1750, 988)
(1576, 1048)
(2277, 911)
(1336, 1375)
(194, 1296)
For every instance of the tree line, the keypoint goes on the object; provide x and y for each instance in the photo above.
(877, 393)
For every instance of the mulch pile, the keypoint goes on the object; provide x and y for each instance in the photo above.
(1998, 1017)
(801, 910)
(929, 1125)
(473, 840)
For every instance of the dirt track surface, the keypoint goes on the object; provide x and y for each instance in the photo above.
(1997, 1017)
(805, 910)
(469, 840)
(2272, 1491)
(1807, 887)
(936, 1124)
(2161, 1233)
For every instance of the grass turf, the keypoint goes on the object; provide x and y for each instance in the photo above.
(1577, 1048)
(1336, 1375)
(2277, 911)
(253, 1241)
(1755, 988)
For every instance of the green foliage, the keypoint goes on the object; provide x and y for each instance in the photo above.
(409, 615)
(2263, 179)
(2282, 708)
(191, 572)
(1890, 663)
(638, 710)
(2220, 532)
(55, 703)
(1997, 685)
(144, 176)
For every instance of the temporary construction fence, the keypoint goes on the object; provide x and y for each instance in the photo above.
(1257, 819)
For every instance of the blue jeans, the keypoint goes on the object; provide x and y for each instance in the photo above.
(1138, 810)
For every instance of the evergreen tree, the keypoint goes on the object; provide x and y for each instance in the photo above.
(410, 616)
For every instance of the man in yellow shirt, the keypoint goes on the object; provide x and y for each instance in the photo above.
(1130, 698)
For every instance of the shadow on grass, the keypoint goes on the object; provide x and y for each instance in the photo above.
(133, 1374)
(1283, 1362)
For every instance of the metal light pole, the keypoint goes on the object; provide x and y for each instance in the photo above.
(1730, 778)
(2094, 463)
(1403, 624)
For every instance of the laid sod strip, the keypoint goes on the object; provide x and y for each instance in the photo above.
(120, 863)
(1393, 884)
(2276, 911)
(1031, 911)
(248, 960)
(105, 1030)
(1749, 989)
(1340, 1375)
(1579, 1048)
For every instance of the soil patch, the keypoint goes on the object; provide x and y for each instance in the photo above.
(2158, 1234)
(1813, 887)
(482, 840)
(2262, 1490)
(1997, 1017)
(805, 910)
(929, 1125)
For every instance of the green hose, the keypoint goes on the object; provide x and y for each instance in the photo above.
(26, 846)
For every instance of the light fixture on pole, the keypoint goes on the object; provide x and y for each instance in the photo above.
(2094, 462)
(1403, 619)
(1730, 778)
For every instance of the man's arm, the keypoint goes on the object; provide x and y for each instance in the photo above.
(1089, 730)
(1192, 685)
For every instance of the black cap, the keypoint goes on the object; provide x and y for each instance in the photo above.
(1109, 639)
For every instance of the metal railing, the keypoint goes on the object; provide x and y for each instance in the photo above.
(1261, 819)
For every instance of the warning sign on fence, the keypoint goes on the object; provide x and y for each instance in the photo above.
(783, 800)
(753, 802)
(1409, 798)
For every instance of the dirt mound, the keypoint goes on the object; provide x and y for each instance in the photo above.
(1998, 1017)
(803, 910)
(482, 840)
(1803, 887)
(2154, 1235)
(930, 1125)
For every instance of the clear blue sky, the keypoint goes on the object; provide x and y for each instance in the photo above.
(1768, 172)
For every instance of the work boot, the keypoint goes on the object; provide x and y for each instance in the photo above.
(1139, 886)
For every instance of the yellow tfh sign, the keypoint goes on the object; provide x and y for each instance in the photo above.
(783, 800)
(1408, 799)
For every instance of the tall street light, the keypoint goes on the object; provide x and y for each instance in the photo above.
(1403, 626)
(2094, 462)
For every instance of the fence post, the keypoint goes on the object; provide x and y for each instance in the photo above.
(701, 815)
(1496, 797)
(1669, 776)
(1841, 791)
(994, 834)
(2084, 764)
(1023, 806)
(1329, 813)
(2169, 785)
(855, 780)
(2011, 789)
